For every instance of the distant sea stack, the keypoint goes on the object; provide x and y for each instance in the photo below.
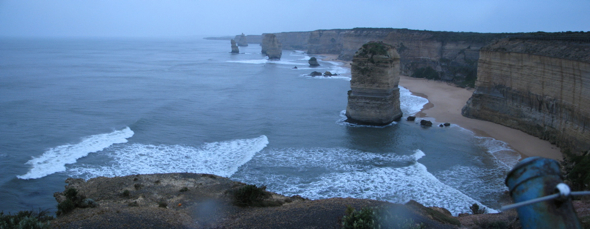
(313, 62)
(242, 41)
(271, 47)
(374, 95)
(539, 86)
(234, 47)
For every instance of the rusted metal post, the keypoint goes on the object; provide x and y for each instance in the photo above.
(536, 177)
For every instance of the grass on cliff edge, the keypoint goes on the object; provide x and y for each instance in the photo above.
(376, 217)
(25, 219)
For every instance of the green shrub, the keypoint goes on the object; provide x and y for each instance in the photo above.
(476, 210)
(580, 173)
(163, 204)
(71, 193)
(488, 224)
(427, 72)
(376, 218)
(65, 207)
(125, 193)
(184, 189)
(249, 195)
(25, 219)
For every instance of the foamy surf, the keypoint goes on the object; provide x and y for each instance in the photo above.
(410, 104)
(219, 158)
(336, 172)
(342, 121)
(55, 159)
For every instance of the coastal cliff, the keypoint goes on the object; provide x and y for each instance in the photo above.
(446, 56)
(541, 87)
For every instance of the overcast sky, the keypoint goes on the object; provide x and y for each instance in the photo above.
(173, 18)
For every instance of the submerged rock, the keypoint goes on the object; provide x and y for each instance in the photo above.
(234, 47)
(411, 118)
(374, 95)
(271, 47)
(313, 62)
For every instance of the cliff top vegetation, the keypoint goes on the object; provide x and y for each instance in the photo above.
(551, 46)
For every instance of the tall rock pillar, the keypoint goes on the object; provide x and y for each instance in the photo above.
(374, 95)
(271, 47)
(234, 47)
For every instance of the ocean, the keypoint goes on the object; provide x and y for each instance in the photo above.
(85, 108)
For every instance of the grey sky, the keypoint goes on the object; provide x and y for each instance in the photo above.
(159, 18)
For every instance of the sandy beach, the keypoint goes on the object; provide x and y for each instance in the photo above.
(445, 105)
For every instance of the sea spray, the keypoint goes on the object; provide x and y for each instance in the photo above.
(337, 172)
(55, 159)
(219, 158)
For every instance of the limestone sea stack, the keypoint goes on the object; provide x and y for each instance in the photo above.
(374, 95)
(242, 40)
(271, 47)
(234, 47)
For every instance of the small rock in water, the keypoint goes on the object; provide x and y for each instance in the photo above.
(441, 125)
(447, 124)
(315, 73)
(425, 123)
(411, 118)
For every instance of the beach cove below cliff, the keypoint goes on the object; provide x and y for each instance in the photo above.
(445, 104)
(445, 101)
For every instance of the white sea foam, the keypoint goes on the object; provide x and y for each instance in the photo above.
(410, 104)
(257, 61)
(266, 61)
(500, 151)
(338, 77)
(342, 121)
(336, 172)
(55, 159)
(219, 158)
(476, 181)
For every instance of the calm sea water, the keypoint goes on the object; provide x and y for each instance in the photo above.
(85, 108)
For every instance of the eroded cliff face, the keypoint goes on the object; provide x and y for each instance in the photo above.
(539, 87)
(374, 95)
(448, 56)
